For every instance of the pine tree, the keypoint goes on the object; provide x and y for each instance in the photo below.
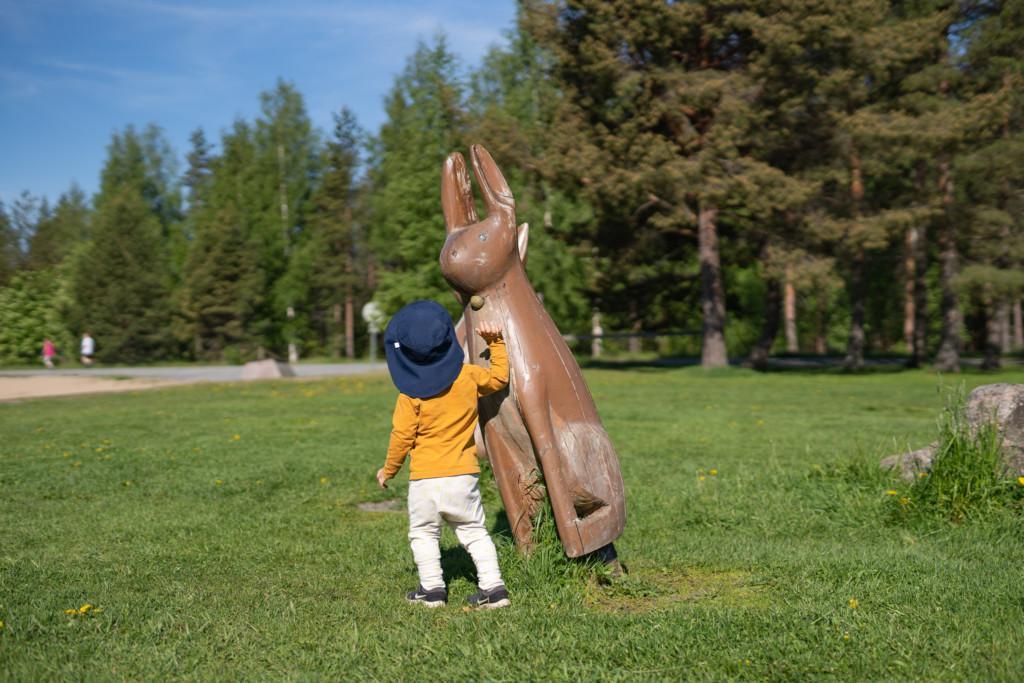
(660, 129)
(990, 168)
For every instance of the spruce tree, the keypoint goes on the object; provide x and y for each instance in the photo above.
(425, 123)
(121, 284)
(122, 278)
(512, 104)
(225, 287)
(60, 231)
(9, 253)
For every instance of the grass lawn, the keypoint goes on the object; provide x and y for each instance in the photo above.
(215, 531)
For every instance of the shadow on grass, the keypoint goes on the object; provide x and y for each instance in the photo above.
(457, 564)
(800, 365)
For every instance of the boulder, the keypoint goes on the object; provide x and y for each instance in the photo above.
(266, 369)
(1001, 403)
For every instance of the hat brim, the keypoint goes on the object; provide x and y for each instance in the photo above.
(423, 380)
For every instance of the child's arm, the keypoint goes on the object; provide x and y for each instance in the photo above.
(404, 425)
(497, 377)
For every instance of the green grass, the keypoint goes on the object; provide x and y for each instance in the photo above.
(216, 528)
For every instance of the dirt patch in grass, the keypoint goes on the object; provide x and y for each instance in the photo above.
(381, 506)
(15, 388)
(646, 589)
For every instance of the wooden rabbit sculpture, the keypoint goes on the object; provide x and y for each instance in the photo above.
(544, 422)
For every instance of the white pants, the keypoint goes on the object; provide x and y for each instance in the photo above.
(455, 500)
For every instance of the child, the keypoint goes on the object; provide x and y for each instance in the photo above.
(434, 422)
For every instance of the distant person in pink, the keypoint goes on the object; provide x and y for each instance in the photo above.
(49, 351)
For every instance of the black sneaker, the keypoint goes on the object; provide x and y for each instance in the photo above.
(432, 598)
(490, 599)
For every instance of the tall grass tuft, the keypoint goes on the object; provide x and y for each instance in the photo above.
(968, 475)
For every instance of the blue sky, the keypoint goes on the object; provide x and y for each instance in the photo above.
(72, 73)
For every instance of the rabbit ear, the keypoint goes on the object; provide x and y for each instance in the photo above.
(523, 239)
(497, 195)
(456, 193)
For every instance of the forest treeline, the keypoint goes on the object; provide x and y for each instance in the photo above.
(815, 176)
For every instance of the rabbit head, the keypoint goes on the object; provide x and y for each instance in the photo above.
(477, 253)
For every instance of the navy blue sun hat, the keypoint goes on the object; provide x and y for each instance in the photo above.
(424, 356)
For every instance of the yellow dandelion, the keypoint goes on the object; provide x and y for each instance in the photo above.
(713, 472)
(922, 475)
(846, 635)
(904, 501)
(218, 482)
(853, 603)
(84, 609)
(67, 454)
(891, 492)
(760, 423)
(1020, 480)
(324, 480)
(236, 437)
(1, 624)
(71, 611)
(701, 478)
(99, 450)
(259, 482)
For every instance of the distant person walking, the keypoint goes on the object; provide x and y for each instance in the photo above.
(88, 349)
(49, 351)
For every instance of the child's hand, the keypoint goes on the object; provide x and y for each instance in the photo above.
(382, 479)
(489, 331)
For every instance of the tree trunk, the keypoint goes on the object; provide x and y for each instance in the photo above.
(350, 326)
(635, 346)
(1018, 325)
(283, 199)
(336, 331)
(855, 344)
(713, 352)
(919, 348)
(948, 357)
(993, 334)
(821, 331)
(1005, 338)
(597, 341)
(909, 301)
(770, 329)
(792, 341)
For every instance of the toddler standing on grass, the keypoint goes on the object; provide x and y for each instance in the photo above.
(434, 422)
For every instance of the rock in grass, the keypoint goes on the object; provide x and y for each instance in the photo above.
(1001, 403)
(266, 369)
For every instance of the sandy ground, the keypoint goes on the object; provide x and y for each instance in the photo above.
(13, 388)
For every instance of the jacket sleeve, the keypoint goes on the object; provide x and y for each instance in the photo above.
(404, 427)
(487, 382)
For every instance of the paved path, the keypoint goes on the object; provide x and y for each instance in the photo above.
(195, 373)
(21, 384)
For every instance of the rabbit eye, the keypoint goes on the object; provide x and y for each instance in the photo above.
(483, 236)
